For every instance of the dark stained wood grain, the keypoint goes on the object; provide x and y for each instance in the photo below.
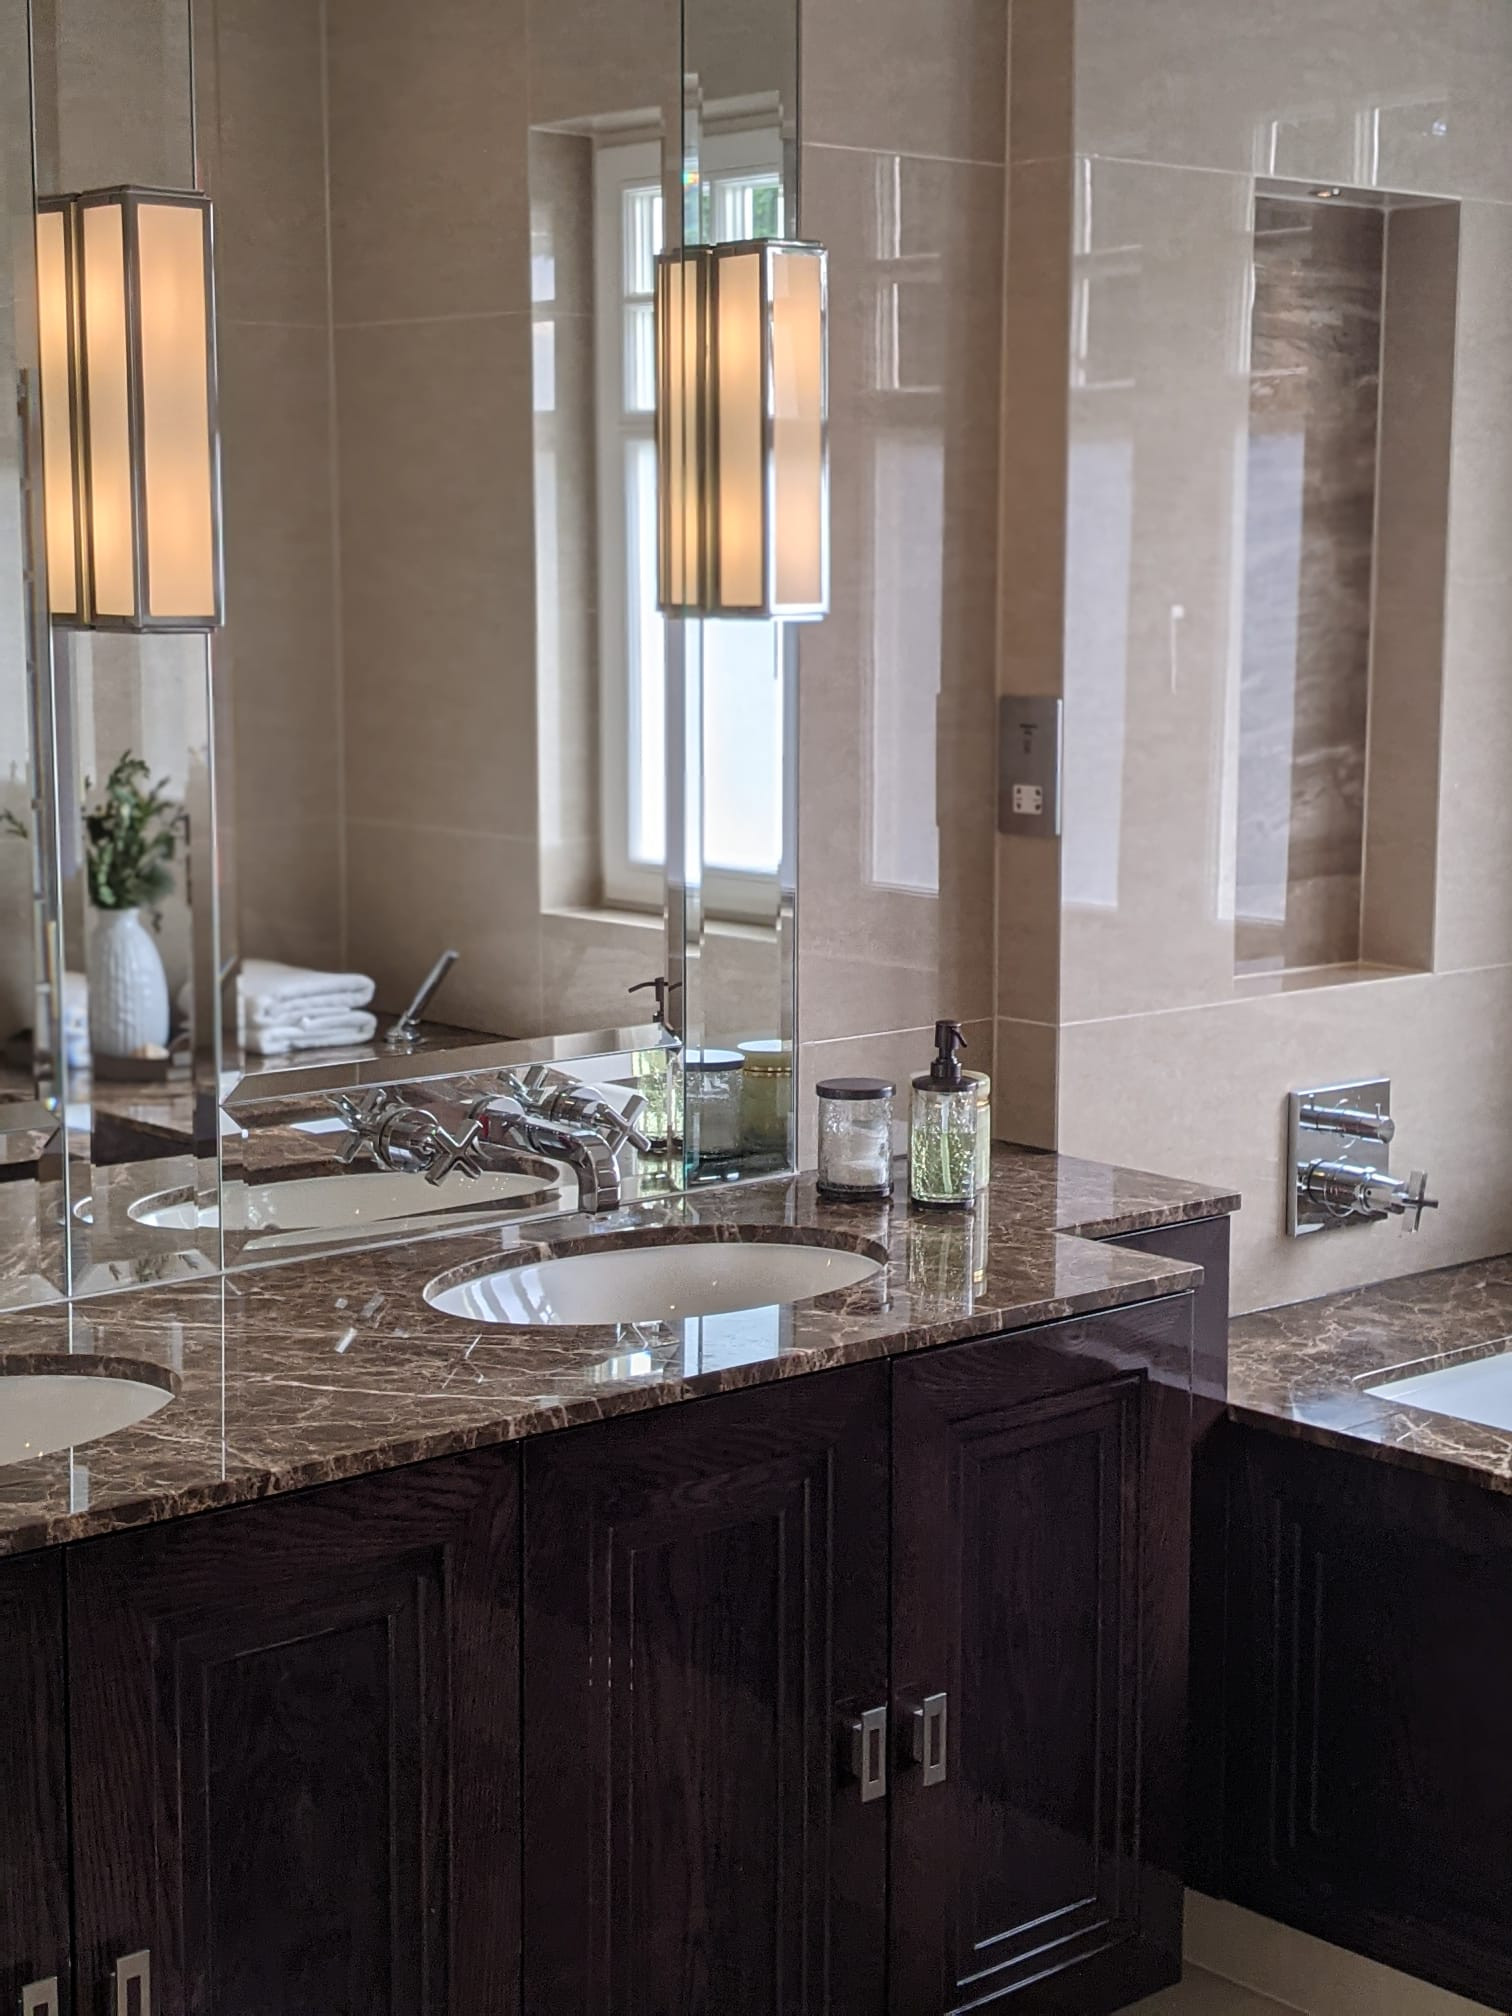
(295, 1750)
(1204, 1242)
(34, 1931)
(1369, 1766)
(1040, 1499)
(705, 1603)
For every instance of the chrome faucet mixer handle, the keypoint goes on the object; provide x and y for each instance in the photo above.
(454, 1152)
(1417, 1201)
(364, 1119)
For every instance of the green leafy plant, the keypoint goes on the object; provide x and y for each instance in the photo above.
(133, 838)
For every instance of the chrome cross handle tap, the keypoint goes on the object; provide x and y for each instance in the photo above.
(1349, 1190)
(405, 1138)
(545, 1112)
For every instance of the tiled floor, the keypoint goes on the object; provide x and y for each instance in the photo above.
(1205, 1995)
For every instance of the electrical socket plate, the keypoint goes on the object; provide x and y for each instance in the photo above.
(1029, 765)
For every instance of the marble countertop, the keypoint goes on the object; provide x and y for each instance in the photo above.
(293, 1375)
(1303, 1369)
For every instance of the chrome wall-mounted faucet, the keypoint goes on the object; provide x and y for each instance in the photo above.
(546, 1112)
(1339, 1161)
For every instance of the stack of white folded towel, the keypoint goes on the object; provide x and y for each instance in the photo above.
(286, 1008)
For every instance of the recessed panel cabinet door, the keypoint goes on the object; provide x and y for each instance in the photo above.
(295, 1753)
(1039, 1645)
(705, 1613)
(34, 1934)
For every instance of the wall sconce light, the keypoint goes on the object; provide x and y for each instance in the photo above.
(131, 463)
(742, 430)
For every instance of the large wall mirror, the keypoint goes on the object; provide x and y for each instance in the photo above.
(444, 712)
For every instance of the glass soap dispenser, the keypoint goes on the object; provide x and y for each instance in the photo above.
(942, 1132)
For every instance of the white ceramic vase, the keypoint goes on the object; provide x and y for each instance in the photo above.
(128, 989)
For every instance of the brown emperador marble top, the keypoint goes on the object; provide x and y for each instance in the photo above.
(1304, 1369)
(299, 1374)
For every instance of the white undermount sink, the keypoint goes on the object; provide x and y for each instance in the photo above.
(650, 1282)
(333, 1203)
(41, 1412)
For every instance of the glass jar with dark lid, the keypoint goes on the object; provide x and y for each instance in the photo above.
(711, 1096)
(855, 1136)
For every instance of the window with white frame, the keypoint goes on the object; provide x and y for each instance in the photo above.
(740, 196)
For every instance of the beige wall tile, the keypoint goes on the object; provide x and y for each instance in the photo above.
(1025, 1083)
(601, 57)
(416, 890)
(1202, 1093)
(260, 127)
(1407, 649)
(1042, 79)
(277, 656)
(1155, 574)
(897, 773)
(918, 80)
(1474, 921)
(429, 202)
(438, 572)
(289, 886)
(1386, 93)
(113, 97)
(1029, 928)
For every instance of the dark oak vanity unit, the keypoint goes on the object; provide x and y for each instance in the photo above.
(858, 1691)
(1358, 1628)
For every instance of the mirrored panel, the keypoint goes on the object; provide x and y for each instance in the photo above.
(433, 784)
(33, 1261)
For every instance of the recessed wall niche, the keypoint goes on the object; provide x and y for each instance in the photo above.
(1346, 502)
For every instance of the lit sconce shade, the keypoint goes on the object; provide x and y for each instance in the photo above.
(742, 430)
(130, 448)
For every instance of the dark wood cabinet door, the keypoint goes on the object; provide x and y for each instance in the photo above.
(34, 1931)
(1040, 1504)
(295, 1751)
(1370, 1644)
(705, 1607)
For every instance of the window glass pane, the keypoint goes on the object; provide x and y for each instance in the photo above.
(647, 662)
(643, 238)
(640, 357)
(742, 725)
(744, 206)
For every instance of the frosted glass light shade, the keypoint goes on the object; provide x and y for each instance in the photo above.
(742, 429)
(130, 449)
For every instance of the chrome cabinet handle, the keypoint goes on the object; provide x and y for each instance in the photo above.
(134, 1970)
(866, 1753)
(928, 1737)
(40, 1998)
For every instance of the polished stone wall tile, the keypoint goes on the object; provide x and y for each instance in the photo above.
(918, 80)
(1315, 392)
(896, 713)
(429, 210)
(1412, 529)
(1155, 521)
(1203, 1091)
(438, 572)
(1387, 94)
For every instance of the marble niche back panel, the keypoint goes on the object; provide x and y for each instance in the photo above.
(1314, 431)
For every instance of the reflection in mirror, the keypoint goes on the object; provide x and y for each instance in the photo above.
(132, 712)
(32, 1189)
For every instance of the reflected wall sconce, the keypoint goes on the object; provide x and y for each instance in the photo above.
(742, 430)
(130, 450)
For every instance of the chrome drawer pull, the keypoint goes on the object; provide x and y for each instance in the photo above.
(928, 1734)
(134, 1970)
(867, 1759)
(40, 1998)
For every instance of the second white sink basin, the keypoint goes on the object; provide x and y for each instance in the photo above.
(651, 1282)
(41, 1412)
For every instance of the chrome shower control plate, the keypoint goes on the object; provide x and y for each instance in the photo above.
(1334, 1123)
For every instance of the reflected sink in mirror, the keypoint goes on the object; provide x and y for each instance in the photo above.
(320, 1204)
(651, 1281)
(42, 1411)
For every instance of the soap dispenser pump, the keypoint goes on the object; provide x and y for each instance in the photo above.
(942, 1133)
